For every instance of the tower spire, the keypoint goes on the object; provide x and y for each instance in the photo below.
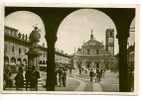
(91, 31)
(91, 36)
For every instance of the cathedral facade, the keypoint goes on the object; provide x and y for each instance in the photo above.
(94, 54)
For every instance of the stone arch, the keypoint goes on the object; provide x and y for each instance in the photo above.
(121, 16)
(6, 60)
(122, 23)
(25, 61)
(33, 19)
(13, 61)
(44, 62)
(40, 62)
(75, 13)
(19, 61)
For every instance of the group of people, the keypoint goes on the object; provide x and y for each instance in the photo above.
(7, 78)
(32, 76)
(61, 77)
(96, 75)
(29, 80)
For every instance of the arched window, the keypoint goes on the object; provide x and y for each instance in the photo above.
(24, 61)
(40, 62)
(13, 60)
(6, 60)
(19, 61)
(88, 51)
(97, 65)
(43, 62)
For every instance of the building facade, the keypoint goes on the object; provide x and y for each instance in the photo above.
(16, 45)
(93, 54)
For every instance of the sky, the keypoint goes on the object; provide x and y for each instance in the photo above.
(24, 22)
(131, 38)
(74, 30)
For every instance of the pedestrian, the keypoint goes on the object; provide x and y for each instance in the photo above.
(80, 69)
(99, 74)
(64, 74)
(60, 72)
(85, 71)
(103, 72)
(34, 79)
(56, 77)
(91, 74)
(28, 76)
(70, 70)
(19, 79)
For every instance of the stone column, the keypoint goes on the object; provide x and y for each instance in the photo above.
(51, 40)
(124, 82)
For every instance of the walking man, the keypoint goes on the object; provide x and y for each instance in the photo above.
(91, 74)
(19, 79)
(64, 77)
(34, 79)
(28, 76)
(60, 72)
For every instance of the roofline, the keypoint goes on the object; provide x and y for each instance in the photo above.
(10, 27)
(41, 47)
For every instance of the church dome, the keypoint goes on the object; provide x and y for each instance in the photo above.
(93, 42)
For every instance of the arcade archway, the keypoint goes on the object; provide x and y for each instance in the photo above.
(122, 18)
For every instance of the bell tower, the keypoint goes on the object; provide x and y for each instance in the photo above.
(110, 40)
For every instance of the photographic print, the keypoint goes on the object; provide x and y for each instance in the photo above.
(81, 49)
